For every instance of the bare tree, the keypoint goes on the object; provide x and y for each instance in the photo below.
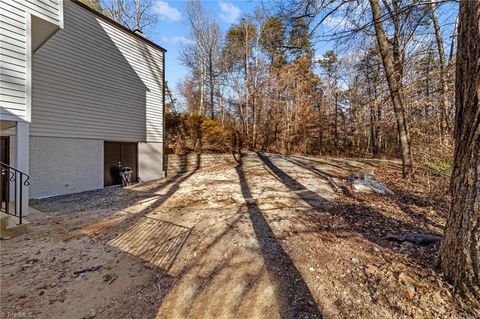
(94, 4)
(133, 14)
(392, 64)
(330, 64)
(266, 81)
(202, 54)
(393, 23)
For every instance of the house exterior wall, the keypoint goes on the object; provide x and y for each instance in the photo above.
(150, 161)
(64, 165)
(94, 80)
(148, 63)
(61, 166)
(15, 56)
(91, 82)
(83, 87)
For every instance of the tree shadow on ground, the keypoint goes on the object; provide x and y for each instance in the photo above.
(131, 231)
(402, 199)
(156, 242)
(418, 217)
(108, 221)
(370, 223)
(405, 200)
(341, 164)
(293, 295)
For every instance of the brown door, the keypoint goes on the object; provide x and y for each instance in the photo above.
(129, 157)
(4, 158)
(111, 158)
(115, 154)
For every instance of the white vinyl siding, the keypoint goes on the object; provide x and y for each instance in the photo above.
(13, 55)
(12, 61)
(94, 80)
(148, 63)
(48, 10)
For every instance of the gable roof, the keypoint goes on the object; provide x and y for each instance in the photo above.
(118, 25)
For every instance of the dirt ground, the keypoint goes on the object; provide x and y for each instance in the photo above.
(268, 238)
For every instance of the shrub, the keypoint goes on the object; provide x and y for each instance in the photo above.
(195, 133)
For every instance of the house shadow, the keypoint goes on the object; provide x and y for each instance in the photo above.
(292, 293)
(154, 241)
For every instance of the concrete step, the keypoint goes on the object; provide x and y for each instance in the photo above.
(4, 221)
(10, 228)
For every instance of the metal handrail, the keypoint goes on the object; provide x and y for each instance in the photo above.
(20, 180)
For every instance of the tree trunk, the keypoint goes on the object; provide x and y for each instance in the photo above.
(220, 105)
(444, 123)
(427, 90)
(247, 93)
(452, 43)
(378, 119)
(373, 131)
(460, 249)
(392, 68)
(255, 105)
(336, 117)
(202, 89)
(212, 85)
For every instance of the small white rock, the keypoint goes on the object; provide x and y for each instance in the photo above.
(91, 314)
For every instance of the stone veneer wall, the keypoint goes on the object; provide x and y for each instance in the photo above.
(177, 164)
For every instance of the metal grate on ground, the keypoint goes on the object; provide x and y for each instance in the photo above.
(154, 241)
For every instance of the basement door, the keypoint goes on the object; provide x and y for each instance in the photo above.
(115, 154)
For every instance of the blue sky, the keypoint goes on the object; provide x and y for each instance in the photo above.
(172, 28)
